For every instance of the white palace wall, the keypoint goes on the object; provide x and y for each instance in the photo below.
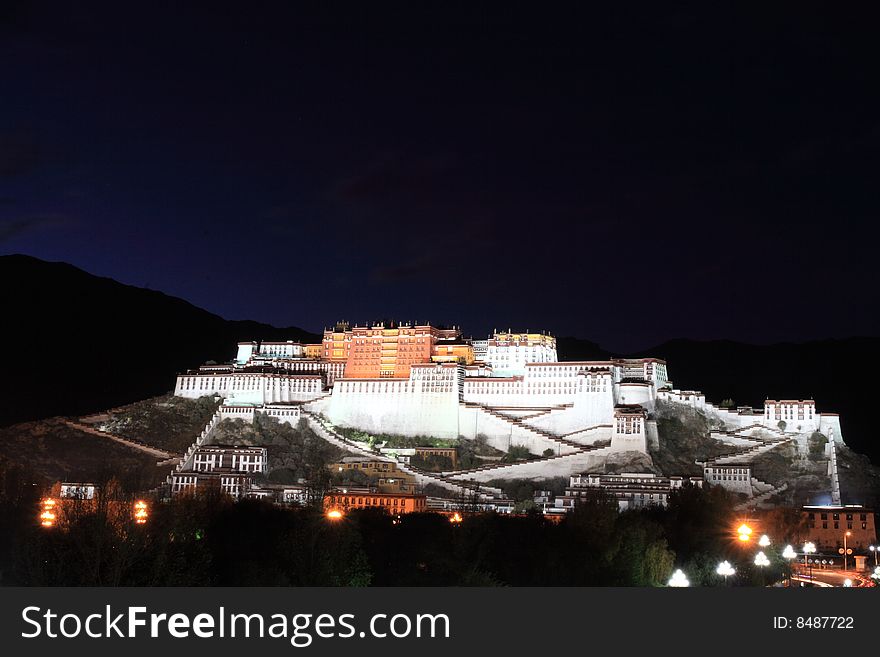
(426, 404)
(250, 387)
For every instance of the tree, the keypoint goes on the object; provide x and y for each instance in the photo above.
(817, 442)
(517, 453)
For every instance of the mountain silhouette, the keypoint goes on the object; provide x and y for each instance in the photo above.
(75, 343)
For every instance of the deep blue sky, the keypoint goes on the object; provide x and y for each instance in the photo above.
(624, 175)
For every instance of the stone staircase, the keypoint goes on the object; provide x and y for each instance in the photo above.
(518, 422)
(184, 462)
(323, 429)
(768, 491)
(598, 445)
(750, 453)
(161, 454)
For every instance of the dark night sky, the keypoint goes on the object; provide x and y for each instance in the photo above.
(622, 174)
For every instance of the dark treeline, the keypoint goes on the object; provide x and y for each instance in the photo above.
(210, 540)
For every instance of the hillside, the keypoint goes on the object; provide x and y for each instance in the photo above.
(169, 423)
(75, 343)
(52, 451)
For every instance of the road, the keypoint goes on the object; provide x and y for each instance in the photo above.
(835, 577)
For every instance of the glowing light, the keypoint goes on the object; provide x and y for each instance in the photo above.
(334, 514)
(678, 579)
(847, 582)
(876, 573)
(764, 541)
(761, 560)
(141, 512)
(47, 512)
(725, 569)
(789, 553)
(455, 518)
(745, 532)
(809, 547)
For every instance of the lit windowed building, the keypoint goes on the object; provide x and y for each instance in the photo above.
(735, 477)
(209, 458)
(509, 352)
(826, 526)
(631, 490)
(234, 484)
(395, 503)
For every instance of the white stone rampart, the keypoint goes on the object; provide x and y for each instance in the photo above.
(829, 425)
(831, 452)
(635, 392)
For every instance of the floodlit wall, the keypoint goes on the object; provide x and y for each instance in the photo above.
(250, 388)
(425, 404)
(829, 425)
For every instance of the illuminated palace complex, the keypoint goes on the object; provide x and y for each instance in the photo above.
(510, 389)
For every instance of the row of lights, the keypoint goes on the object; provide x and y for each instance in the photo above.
(49, 513)
(337, 514)
(725, 570)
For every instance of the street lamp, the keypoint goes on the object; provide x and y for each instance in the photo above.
(875, 550)
(48, 515)
(725, 570)
(764, 541)
(845, 551)
(141, 512)
(847, 582)
(788, 554)
(678, 579)
(745, 532)
(876, 573)
(809, 548)
(762, 562)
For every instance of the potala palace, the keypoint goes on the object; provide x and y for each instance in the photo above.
(510, 389)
